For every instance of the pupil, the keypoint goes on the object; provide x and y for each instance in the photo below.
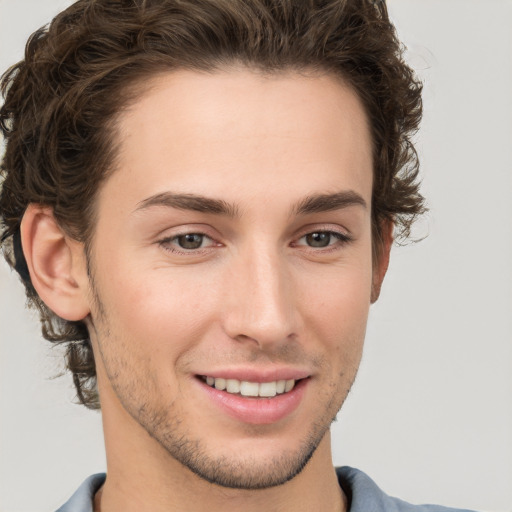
(190, 241)
(318, 239)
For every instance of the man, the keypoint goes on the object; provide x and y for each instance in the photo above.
(200, 197)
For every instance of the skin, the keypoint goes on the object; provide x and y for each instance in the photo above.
(260, 291)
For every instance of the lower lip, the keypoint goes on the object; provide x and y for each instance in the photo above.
(258, 411)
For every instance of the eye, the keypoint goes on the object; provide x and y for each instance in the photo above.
(187, 242)
(321, 239)
(190, 240)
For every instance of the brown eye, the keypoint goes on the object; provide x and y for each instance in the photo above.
(319, 239)
(190, 241)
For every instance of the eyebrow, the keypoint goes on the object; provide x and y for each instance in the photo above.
(328, 202)
(316, 203)
(191, 202)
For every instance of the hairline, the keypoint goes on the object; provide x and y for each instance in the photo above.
(149, 80)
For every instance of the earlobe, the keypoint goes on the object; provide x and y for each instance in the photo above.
(381, 255)
(56, 264)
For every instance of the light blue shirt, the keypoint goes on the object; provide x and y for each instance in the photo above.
(362, 492)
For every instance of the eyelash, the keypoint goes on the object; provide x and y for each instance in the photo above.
(341, 240)
(167, 243)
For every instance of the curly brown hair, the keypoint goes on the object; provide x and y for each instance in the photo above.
(61, 102)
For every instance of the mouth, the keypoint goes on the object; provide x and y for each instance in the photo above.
(251, 389)
(260, 401)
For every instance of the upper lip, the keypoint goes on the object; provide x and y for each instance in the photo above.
(257, 374)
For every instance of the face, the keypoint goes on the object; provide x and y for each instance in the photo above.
(232, 270)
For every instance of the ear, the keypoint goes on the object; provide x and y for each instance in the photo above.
(56, 264)
(381, 257)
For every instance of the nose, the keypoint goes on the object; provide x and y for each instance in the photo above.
(260, 305)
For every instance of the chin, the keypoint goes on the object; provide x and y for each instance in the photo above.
(248, 473)
(256, 462)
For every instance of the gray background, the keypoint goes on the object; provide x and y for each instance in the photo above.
(430, 417)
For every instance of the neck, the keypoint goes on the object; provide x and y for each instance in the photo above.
(142, 476)
(180, 490)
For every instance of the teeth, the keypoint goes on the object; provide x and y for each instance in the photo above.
(249, 388)
(268, 389)
(220, 384)
(233, 386)
(254, 389)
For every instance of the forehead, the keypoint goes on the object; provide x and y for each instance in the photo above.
(238, 133)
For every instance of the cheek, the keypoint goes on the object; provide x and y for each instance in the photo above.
(161, 309)
(336, 305)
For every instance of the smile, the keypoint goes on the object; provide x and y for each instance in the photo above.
(251, 389)
(259, 401)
